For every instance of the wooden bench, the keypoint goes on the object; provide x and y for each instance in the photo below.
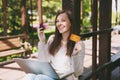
(11, 45)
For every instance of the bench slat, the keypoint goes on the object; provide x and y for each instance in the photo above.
(10, 43)
(10, 52)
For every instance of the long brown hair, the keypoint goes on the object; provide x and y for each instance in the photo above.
(55, 45)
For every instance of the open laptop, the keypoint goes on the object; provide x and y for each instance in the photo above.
(37, 67)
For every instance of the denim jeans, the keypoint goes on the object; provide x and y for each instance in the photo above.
(31, 76)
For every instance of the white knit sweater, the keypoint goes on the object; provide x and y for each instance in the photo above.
(62, 63)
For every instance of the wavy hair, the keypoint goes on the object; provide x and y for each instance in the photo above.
(56, 44)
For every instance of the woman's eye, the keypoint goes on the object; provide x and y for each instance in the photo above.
(60, 20)
(63, 20)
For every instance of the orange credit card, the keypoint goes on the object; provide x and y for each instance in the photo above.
(74, 38)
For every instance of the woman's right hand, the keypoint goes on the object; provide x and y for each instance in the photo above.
(41, 35)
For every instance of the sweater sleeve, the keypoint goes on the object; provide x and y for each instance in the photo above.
(43, 51)
(42, 55)
(78, 60)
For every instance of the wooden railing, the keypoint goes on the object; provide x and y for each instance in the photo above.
(110, 65)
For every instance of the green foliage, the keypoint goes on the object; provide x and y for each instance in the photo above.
(9, 57)
(3, 59)
(34, 49)
(13, 17)
(86, 16)
(50, 8)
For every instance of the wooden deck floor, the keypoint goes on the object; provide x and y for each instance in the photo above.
(13, 72)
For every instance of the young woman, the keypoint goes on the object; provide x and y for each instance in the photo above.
(63, 54)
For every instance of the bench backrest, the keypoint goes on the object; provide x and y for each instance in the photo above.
(10, 43)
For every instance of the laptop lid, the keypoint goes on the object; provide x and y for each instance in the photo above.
(37, 67)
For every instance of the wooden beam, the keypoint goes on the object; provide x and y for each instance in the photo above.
(116, 6)
(94, 9)
(74, 7)
(39, 4)
(4, 17)
(105, 39)
(24, 19)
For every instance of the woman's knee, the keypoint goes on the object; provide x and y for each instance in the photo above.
(29, 76)
(42, 77)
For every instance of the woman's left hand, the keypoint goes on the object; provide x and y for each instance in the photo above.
(41, 35)
(77, 48)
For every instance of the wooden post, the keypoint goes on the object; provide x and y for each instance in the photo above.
(31, 6)
(76, 15)
(105, 39)
(24, 19)
(94, 7)
(74, 7)
(4, 17)
(40, 11)
(81, 9)
(116, 6)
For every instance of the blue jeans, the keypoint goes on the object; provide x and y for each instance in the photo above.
(31, 76)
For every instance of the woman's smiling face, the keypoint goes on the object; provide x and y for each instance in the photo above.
(63, 23)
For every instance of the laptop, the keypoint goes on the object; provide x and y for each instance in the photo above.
(37, 67)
